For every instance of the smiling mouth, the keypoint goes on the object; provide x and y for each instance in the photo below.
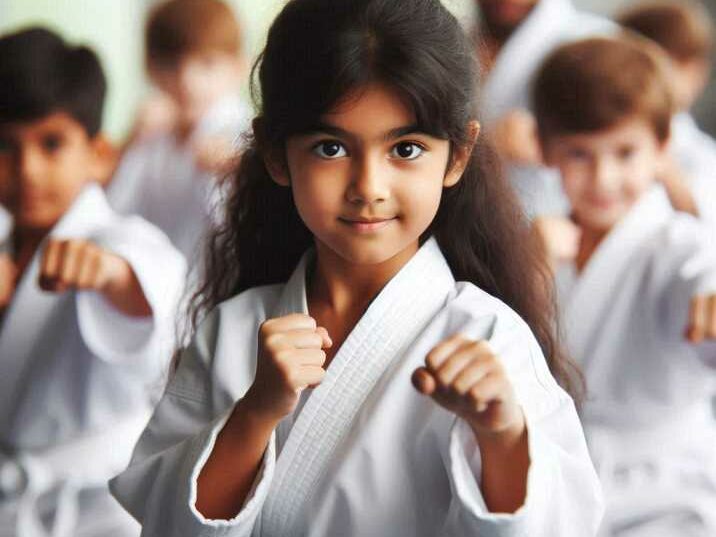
(365, 225)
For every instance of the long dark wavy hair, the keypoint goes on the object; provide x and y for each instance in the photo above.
(316, 53)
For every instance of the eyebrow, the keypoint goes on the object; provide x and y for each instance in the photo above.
(333, 130)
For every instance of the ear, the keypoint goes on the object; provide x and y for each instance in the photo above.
(105, 158)
(461, 156)
(275, 164)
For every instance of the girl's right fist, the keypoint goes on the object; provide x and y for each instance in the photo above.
(290, 358)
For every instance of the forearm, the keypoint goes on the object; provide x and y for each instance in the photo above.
(505, 464)
(128, 297)
(230, 471)
(679, 194)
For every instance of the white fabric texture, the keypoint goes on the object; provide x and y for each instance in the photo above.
(364, 453)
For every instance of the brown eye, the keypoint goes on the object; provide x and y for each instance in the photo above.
(329, 149)
(51, 142)
(626, 152)
(407, 151)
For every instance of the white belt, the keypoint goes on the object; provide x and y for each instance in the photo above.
(86, 462)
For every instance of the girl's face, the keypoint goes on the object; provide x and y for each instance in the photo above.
(365, 181)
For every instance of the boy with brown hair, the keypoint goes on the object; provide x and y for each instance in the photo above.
(194, 55)
(636, 287)
(683, 30)
(87, 300)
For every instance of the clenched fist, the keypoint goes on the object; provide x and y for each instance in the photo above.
(559, 238)
(702, 319)
(515, 138)
(77, 264)
(290, 358)
(468, 379)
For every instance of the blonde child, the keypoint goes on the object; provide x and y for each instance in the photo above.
(169, 174)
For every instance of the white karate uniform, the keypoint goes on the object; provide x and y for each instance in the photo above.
(77, 380)
(647, 417)
(508, 87)
(159, 180)
(695, 152)
(363, 453)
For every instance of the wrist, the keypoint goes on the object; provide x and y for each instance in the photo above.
(254, 413)
(505, 438)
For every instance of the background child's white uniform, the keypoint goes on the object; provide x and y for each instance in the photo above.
(508, 85)
(647, 417)
(159, 180)
(695, 152)
(77, 380)
(364, 453)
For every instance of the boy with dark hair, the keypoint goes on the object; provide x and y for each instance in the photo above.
(169, 175)
(87, 299)
(636, 287)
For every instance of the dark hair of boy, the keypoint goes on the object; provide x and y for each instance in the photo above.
(681, 28)
(40, 74)
(594, 84)
(319, 51)
(180, 27)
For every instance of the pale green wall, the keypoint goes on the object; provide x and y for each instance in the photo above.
(114, 29)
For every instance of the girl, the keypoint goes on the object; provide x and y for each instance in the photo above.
(363, 241)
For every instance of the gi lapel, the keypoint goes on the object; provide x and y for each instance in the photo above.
(391, 323)
(590, 297)
(30, 313)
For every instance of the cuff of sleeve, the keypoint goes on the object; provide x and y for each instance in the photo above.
(257, 495)
(109, 334)
(466, 468)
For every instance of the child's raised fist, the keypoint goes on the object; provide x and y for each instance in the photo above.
(467, 378)
(77, 264)
(559, 238)
(702, 319)
(290, 358)
(515, 138)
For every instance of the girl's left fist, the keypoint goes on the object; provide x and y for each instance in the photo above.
(467, 378)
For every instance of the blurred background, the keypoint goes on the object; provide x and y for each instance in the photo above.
(114, 28)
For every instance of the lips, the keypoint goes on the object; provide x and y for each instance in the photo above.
(365, 225)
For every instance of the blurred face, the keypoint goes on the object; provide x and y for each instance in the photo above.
(502, 17)
(604, 173)
(43, 166)
(366, 181)
(688, 81)
(197, 81)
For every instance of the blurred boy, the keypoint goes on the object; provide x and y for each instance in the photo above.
(636, 288)
(87, 300)
(684, 31)
(514, 37)
(168, 176)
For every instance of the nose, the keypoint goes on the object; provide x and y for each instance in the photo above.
(369, 182)
(29, 164)
(605, 173)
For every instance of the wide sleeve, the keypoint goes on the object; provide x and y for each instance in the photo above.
(563, 493)
(161, 271)
(683, 269)
(159, 487)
